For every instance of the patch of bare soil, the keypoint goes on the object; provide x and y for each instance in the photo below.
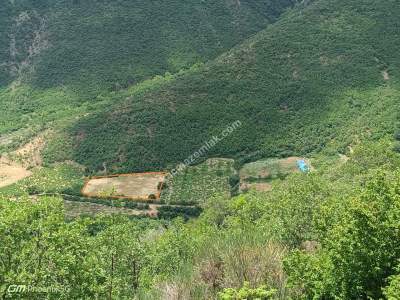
(343, 158)
(257, 175)
(11, 172)
(385, 75)
(258, 186)
(30, 154)
(291, 163)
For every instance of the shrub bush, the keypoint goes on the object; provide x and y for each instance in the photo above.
(397, 135)
(172, 212)
(396, 147)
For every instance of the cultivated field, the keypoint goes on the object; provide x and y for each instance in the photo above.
(140, 186)
(197, 184)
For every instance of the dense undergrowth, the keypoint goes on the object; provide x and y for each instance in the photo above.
(331, 234)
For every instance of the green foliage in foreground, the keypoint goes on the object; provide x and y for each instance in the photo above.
(359, 249)
(81, 259)
(330, 234)
(397, 147)
(336, 229)
(392, 292)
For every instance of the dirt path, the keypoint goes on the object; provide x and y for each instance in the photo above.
(11, 172)
(74, 209)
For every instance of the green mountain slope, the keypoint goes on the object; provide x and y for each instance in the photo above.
(63, 59)
(322, 77)
(97, 45)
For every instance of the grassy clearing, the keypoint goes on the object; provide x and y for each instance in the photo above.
(260, 174)
(267, 169)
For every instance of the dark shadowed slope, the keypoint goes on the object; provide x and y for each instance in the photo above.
(112, 44)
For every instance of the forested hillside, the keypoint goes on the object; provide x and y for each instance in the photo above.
(114, 44)
(316, 79)
(62, 59)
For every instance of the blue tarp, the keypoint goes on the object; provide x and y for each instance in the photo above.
(302, 165)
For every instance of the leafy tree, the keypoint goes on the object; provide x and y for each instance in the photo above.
(121, 255)
(39, 249)
(170, 252)
(392, 291)
(360, 249)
